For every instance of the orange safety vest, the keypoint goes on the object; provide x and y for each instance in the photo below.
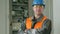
(37, 25)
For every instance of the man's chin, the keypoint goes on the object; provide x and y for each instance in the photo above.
(39, 13)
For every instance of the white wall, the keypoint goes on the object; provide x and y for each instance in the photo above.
(4, 22)
(56, 16)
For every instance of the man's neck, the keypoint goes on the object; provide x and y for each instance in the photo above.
(37, 16)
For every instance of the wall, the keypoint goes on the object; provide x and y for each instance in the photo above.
(4, 22)
(56, 16)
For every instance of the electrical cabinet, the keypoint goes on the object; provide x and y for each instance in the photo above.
(18, 13)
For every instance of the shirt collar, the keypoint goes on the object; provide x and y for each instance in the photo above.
(39, 19)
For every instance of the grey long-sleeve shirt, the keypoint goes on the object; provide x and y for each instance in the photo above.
(46, 28)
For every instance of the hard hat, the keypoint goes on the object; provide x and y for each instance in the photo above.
(38, 2)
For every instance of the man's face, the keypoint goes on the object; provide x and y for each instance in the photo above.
(38, 9)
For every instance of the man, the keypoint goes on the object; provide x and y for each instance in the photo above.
(40, 23)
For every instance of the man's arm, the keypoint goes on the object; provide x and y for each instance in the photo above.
(46, 29)
(23, 27)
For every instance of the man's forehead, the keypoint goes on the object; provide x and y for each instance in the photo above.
(37, 5)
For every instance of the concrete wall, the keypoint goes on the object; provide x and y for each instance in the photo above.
(4, 21)
(56, 16)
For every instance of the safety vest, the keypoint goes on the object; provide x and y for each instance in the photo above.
(37, 25)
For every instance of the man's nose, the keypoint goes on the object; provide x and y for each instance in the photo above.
(38, 8)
